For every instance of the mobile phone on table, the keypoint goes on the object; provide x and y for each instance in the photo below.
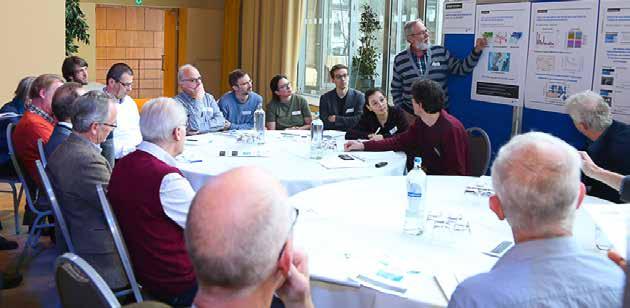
(500, 249)
(346, 157)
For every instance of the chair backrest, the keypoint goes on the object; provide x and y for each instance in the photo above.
(79, 285)
(18, 167)
(479, 150)
(119, 242)
(42, 153)
(61, 222)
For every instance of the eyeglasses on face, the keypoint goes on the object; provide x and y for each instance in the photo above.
(125, 84)
(245, 83)
(193, 80)
(297, 213)
(285, 86)
(108, 124)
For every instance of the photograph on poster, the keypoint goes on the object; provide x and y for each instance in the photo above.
(499, 61)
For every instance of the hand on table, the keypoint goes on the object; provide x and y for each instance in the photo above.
(353, 145)
(296, 290)
(226, 125)
(375, 137)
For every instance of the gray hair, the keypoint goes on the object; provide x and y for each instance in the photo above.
(589, 108)
(242, 255)
(182, 69)
(536, 176)
(159, 117)
(91, 107)
(410, 24)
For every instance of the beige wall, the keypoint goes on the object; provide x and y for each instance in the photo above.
(203, 46)
(33, 37)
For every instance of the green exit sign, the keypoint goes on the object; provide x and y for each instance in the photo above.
(139, 2)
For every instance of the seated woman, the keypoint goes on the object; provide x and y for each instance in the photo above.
(438, 137)
(286, 110)
(379, 119)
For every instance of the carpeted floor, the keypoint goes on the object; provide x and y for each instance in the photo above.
(38, 287)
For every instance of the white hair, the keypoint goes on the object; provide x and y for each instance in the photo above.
(159, 117)
(589, 108)
(536, 176)
(182, 69)
(409, 25)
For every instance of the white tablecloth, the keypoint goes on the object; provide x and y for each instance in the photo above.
(287, 158)
(347, 227)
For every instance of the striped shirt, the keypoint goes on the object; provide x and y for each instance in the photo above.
(438, 64)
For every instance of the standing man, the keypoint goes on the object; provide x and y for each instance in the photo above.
(238, 105)
(609, 140)
(424, 61)
(341, 108)
(203, 111)
(536, 179)
(127, 135)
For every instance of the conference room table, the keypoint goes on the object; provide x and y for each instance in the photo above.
(359, 256)
(286, 154)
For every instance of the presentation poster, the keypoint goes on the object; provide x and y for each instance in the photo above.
(459, 17)
(612, 65)
(561, 52)
(499, 77)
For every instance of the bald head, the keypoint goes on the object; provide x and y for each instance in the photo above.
(236, 227)
(536, 177)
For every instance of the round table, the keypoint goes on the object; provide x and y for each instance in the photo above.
(285, 154)
(359, 228)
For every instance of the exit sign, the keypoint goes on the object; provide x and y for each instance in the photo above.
(139, 2)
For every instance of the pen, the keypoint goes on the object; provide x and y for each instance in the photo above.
(196, 161)
(192, 140)
(377, 130)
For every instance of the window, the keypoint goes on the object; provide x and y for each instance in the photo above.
(331, 35)
(433, 19)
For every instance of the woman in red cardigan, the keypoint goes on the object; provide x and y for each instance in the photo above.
(436, 136)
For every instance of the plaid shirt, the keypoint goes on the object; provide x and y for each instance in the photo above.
(32, 108)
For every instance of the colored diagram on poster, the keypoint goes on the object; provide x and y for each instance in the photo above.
(612, 67)
(561, 53)
(500, 73)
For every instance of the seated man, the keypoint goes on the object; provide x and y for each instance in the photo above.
(37, 123)
(63, 109)
(126, 136)
(536, 178)
(438, 137)
(75, 168)
(609, 140)
(75, 69)
(151, 198)
(203, 112)
(341, 107)
(238, 105)
(240, 243)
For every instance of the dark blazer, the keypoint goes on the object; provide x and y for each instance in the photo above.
(346, 118)
(75, 168)
(59, 134)
(368, 124)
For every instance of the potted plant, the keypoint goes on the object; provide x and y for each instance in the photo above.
(76, 27)
(364, 62)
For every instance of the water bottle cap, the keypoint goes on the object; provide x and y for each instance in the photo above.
(417, 160)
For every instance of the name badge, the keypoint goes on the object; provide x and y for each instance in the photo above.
(296, 112)
(436, 63)
(393, 130)
(349, 110)
(208, 109)
(246, 112)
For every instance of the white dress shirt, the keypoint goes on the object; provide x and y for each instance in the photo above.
(176, 194)
(127, 135)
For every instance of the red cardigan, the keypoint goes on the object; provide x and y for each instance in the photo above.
(443, 146)
(30, 128)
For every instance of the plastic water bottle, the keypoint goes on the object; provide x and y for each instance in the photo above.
(416, 189)
(259, 124)
(317, 138)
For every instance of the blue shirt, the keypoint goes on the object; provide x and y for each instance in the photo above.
(241, 115)
(204, 114)
(553, 272)
(610, 151)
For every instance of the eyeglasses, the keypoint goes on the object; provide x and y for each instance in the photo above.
(125, 84)
(108, 124)
(425, 32)
(344, 76)
(297, 213)
(245, 83)
(285, 86)
(194, 80)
